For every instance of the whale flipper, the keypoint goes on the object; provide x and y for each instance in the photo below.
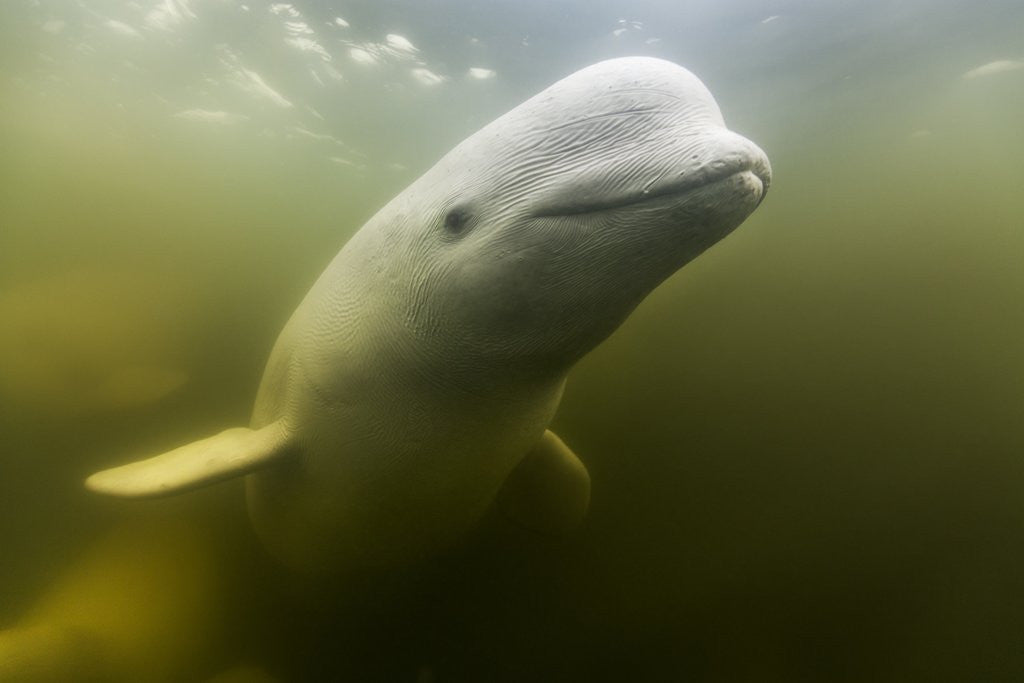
(549, 491)
(231, 453)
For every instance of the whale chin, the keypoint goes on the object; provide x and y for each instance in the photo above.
(715, 209)
(745, 188)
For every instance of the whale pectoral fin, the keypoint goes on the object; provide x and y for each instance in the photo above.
(231, 453)
(549, 491)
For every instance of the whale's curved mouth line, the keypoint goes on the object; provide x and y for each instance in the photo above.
(677, 187)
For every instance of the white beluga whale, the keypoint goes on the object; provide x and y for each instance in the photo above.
(413, 387)
(87, 342)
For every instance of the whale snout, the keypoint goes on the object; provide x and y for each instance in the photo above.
(747, 190)
(729, 184)
(678, 170)
(721, 154)
(748, 185)
(761, 170)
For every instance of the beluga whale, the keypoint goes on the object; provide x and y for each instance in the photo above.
(412, 389)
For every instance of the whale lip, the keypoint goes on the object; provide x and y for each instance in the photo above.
(681, 183)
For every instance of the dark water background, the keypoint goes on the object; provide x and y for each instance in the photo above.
(806, 448)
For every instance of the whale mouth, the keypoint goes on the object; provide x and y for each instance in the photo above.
(755, 170)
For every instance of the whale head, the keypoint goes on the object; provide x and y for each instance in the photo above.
(534, 238)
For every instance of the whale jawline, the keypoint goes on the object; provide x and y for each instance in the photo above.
(677, 188)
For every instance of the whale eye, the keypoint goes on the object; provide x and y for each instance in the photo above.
(456, 220)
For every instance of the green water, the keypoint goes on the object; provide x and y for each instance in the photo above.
(805, 447)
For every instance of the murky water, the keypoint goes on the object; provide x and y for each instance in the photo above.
(805, 447)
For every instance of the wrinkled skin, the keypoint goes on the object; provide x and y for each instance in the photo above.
(431, 354)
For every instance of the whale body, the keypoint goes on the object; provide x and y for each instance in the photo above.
(413, 387)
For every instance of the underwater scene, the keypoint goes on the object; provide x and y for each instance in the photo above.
(523, 427)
